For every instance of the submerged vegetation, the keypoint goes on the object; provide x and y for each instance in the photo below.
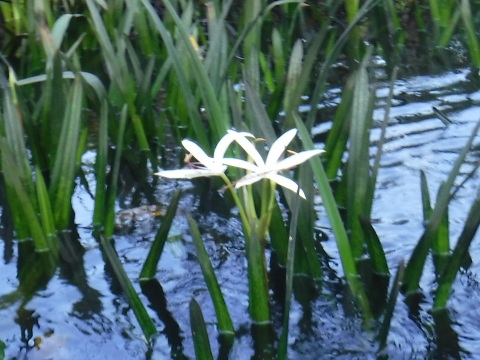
(131, 80)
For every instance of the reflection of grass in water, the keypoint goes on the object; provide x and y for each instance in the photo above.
(155, 74)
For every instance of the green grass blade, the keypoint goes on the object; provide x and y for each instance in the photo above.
(336, 143)
(46, 213)
(343, 244)
(278, 235)
(359, 187)
(392, 300)
(295, 68)
(20, 176)
(426, 203)
(179, 70)
(199, 332)
(149, 268)
(453, 264)
(472, 37)
(101, 168)
(2, 350)
(374, 247)
(441, 243)
(332, 57)
(414, 269)
(23, 205)
(306, 255)
(257, 277)
(383, 133)
(64, 168)
(292, 239)
(225, 325)
(110, 207)
(139, 310)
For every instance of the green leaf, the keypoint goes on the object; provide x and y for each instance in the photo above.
(374, 247)
(343, 244)
(392, 300)
(199, 332)
(150, 266)
(110, 205)
(139, 310)
(101, 168)
(283, 342)
(225, 325)
(46, 213)
(23, 206)
(414, 269)
(453, 264)
(64, 168)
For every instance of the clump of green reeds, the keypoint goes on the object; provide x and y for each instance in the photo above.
(159, 72)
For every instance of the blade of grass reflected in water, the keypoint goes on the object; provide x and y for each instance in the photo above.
(146, 323)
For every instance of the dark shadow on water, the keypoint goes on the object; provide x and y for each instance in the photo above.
(72, 269)
(156, 296)
(448, 346)
(264, 339)
(6, 227)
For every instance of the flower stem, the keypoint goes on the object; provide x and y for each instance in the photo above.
(236, 199)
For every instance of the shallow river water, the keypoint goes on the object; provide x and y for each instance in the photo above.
(82, 313)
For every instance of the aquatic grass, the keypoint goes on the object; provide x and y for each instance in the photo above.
(359, 185)
(109, 219)
(149, 268)
(184, 84)
(144, 320)
(453, 263)
(114, 54)
(388, 315)
(415, 265)
(225, 325)
(100, 168)
(23, 209)
(15, 164)
(199, 332)
(471, 33)
(65, 161)
(289, 278)
(343, 244)
(441, 243)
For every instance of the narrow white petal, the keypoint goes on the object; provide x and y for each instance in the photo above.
(249, 148)
(241, 164)
(249, 179)
(294, 160)
(225, 142)
(198, 153)
(279, 146)
(188, 173)
(286, 183)
(223, 145)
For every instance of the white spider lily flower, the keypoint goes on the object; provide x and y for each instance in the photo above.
(270, 168)
(207, 166)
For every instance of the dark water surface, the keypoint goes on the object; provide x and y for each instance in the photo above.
(82, 314)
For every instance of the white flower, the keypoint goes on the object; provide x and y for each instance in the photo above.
(270, 168)
(207, 166)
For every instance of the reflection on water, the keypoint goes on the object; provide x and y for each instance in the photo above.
(81, 310)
